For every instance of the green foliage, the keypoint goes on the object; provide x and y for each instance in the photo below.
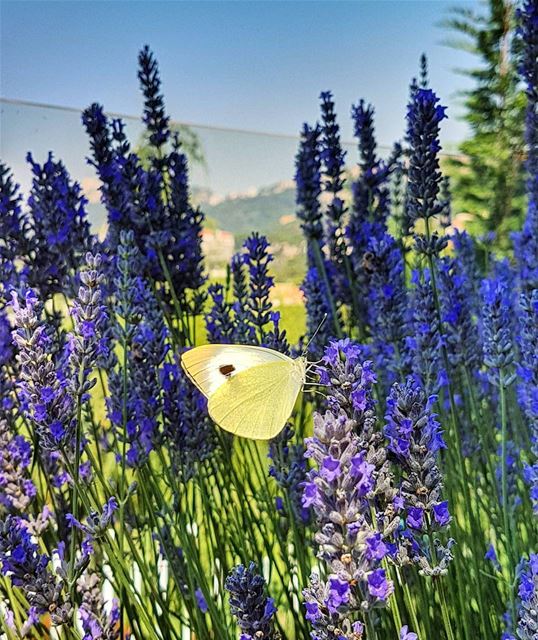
(488, 181)
(191, 145)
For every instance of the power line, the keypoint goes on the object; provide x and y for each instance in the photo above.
(193, 125)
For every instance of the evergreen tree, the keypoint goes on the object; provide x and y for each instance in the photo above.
(488, 181)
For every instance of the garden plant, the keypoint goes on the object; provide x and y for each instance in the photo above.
(400, 501)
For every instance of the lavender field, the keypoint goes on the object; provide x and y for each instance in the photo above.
(398, 502)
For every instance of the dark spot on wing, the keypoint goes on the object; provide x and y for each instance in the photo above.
(226, 369)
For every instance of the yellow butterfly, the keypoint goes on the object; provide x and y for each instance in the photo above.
(251, 391)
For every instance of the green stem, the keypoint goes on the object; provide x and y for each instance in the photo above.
(122, 491)
(318, 257)
(457, 437)
(504, 484)
(370, 628)
(354, 300)
(504, 466)
(410, 602)
(74, 501)
(444, 610)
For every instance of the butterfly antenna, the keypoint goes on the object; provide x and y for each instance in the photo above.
(305, 350)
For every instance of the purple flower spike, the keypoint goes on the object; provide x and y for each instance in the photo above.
(248, 603)
(350, 473)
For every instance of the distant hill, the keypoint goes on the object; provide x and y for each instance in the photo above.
(256, 210)
(269, 210)
(260, 210)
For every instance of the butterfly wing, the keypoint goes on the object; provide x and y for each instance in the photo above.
(204, 365)
(257, 402)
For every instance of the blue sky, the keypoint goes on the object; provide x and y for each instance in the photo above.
(248, 65)
(255, 65)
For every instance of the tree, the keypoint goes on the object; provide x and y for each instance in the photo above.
(191, 145)
(488, 181)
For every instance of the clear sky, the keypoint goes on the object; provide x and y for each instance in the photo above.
(248, 65)
(253, 65)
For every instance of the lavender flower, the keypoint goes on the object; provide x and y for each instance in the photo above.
(445, 216)
(462, 339)
(415, 439)
(7, 362)
(155, 117)
(144, 336)
(424, 116)
(308, 182)
(249, 317)
(44, 393)
(16, 488)
(497, 331)
(513, 474)
(349, 475)
(96, 622)
(318, 313)
(527, 390)
(349, 381)
(370, 191)
(527, 622)
(177, 231)
(176, 559)
(31, 621)
(526, 241)
(424, 81)
(60, 230)
(398, 200)
(333, 160)
(148, 350)
(28, 570)
(276, 336)
(491, 556)
(110, 158)
(95, 525)
(257, 259)
(187, 429)
(424, 344)
(253, 610)
(337, 491)
(89, 319)
(187, 262)
(243, 332)
(405, 634)
(387, 306)
(49, 390)
(467, 259)
(201, 601)
(288, 468)
(370, 204)
(13, 232)
(325, 603)
(218, 321)
(153, 203)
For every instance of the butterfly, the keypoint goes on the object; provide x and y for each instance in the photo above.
(251, 391)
